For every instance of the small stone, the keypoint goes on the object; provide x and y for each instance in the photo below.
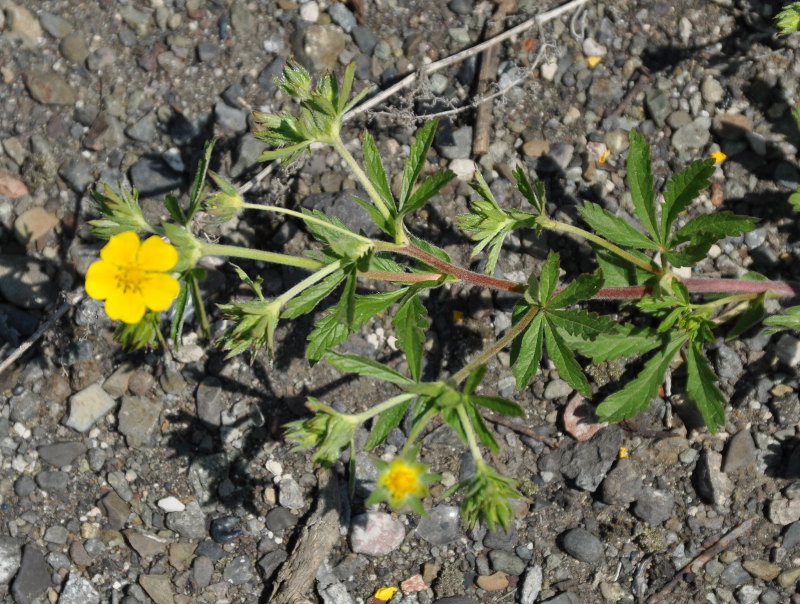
(375, 533)
(11, 186)
(557, 388)
(202, 571)
(712, 91)
(494, 582)
(73, 48)
(692, 136)
(117, 510)
(783, 511)
(582, 545)
(137, 420)
(342, 16)
(78, 554)
(143, 130)
(580, 420)
(654, 506)
(238, 571)
(32, 227)
(152, 176)
(56, 534)
(748, 594)
(454, 144)
(10, 556)
(229, 118)
(464, 168)
(78, 590)
(52, 481)
(657, 103)
(740, 452)
(727, 362)
(323, 44)
(88, 406)
(180, 553)
(209, 401)
(711, 483)
(732, 126)
(440, 526)
(279, 520)
(25, 283)
(364, 39)
(506, 562)
(536, 147)
(623, 484)
(55, 25)
(32, 578)
(309, 12)
(269, 563)
(792, 536)
(557, 160)
(171, 504)
(789, 577)
(158, 587)
(734, 574)
(461, 7)
(23, 23)
(145, 545)
(290, 495)
(225, 529)
(762, 569)
(592, 48)
(787, 349)
(49, 88)
(413, 584)
(190, 523)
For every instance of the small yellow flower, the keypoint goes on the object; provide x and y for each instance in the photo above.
(718, 156)
(402, 481)
(593, 61)
(132, 276)
(385, 593)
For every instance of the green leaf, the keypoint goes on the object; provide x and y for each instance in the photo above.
(618, 272)
(481, 429)
(196, 194)
(410, 323)
(682, 189)
(526, 350)
(179, 314)
(559, 352)
(369, 305)
(500, 405)
(174, 208)
(416, 160)
(582, 288)
(752, 315)
(474, 379)
(585, 325)
(702, 389)
(120, 212)
(376, 171)
(427, 189)
(452, 419)
(614, 228)
(626, 340)
(308, 299)
(345, 310)
(534, 194)
(548, 277)
(790, 319)
(353, 363)
(385, 225)
(321, 232)
(431, 249)
(327, 332)
(640, 182)
(694, 252)
(637, 394)
(387, 420)
(794, 200)
(718, 224)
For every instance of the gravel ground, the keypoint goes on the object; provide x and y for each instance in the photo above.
(149, 477)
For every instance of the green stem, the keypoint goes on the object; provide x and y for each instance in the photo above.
(381, 407)
(308, 282)
(307, 218)
(200, 307)
(487, 354)
(546, 223)
(362, 177)
(234, 251)
(469, 432)
(420, 425)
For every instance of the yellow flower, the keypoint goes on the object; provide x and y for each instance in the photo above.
(402, 481)
(385, 593)
(132, 275)
(718, 156)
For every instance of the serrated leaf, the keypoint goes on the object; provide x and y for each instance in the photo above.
(410, 323)
(427, 189)
(790, 319)
(718, 224)
(498, 404)
(474, 379)
(320, 231)
(387, 420)
(559, 352)
(353, 363)
(196, 194)
(376, 171)
(694, 252)
(430, 248)
(618, 272)
(327, 332)
(626, 340)
(614, 228)
(451, 418)
(482, 430)
(416, 160)
(582, 288)
(682, 189)
(586, 325)
(640, 391)
(640, 182)
(174, 208)
(548, 277)
(375, 214)
(179, 313)
(308, 299)
(369, 305)
(534, 194)
(526, 351)
(702, 389)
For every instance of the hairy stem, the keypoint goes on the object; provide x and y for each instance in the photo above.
(381, 407)
(419, 427)
(309, 281)
(234, 251)
(197, 299)
(306, 218)
(355, 168)
(469, 432)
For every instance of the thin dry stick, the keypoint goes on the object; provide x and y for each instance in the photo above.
(504, 421)
(65, 306)
(695, 565)
(489, 61)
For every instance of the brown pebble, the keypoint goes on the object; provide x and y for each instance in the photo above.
(140, 382)
(494, 582)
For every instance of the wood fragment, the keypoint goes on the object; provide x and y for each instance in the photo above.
(489, 62)
(700, 560)
(495, 417)
(317, 538)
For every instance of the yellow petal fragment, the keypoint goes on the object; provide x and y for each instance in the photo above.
(593, 61)
(127, 307)
(102, 280)
(157, 255)
(121, 249)
(623, 453)
(602, 159)
(719, 156)
(385, 593)
(159, 290)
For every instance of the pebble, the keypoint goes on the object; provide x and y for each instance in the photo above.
(740, 452)
(145, 545)
(10, 557)
(454, 144)
(22, 23)
(32, 578)
(762, 569)
(557, 388)
(209, 401)
(171, 504)
(506, 562)
(442, 525)
(49, 88)
(494, 582)
(792, 536)
(238, 571)
(787, 349)
(279, 520)
(143, 130)
(117, 510)
(654, 506)
(323, 44)
(158, 587)
(727, 362)
(566, 597)
(375, 533)
(692, 136)
(88, 406)
(225, 529)
(501, 539)
(789, 577)
(269, 563)
(712, 90)
(623, 484)
(461, 7)
(32, 227)
(25, 283)
(137, 420)
(73, 48)
(581, 545)
(152, 176)
(712, 485)
(309, 12)
(290, 495)
(734, 574)
(531, 586)
(748, 594)
(52, 481)
(342, 16)
(229, 118)
(55, 25)
(190, 523)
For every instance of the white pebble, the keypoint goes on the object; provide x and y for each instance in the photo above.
(309, 12)
(274, 467)
(171, 504)
(464, 168)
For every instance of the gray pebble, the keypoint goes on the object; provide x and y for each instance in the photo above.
(454, 144)
(24, 282)
(557, 159)
(623, 484)
(190, 523)
(692, 136)
(557, 388)
(238, 571)
(507, 562)
(230, 119)
(792, 536)
(56, 534)
(740, 452)
(712, 91)
(120, 484)
(654, 506)
(55, 25)
(24, 486)
(712, 485)
(279, 520)
(137, 420)
(152, 177)
(269, 563)
(144, 130)
(52, 481)
(74, 49)
(364, 38)
(78, 590)
(10, 557)
(207, 51)
(441, 525)
(232, 94)
(58, 560)
(734, 574)
(63, 453)
(657, 103)
(210, 403)
(33, 576)
(787, 175)
(342, 16)
(202, 571)
(211, 550)
(566, 597)
(290, 495)
(500, 539)
(727, 362)
(581, 545)
(24, 406)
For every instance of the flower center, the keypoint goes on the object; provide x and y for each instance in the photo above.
(130, 278)
(402, 480)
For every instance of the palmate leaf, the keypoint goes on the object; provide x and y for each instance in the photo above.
(580, 323)
(718, 224)
(498, 404)
(624, 341)
(702, 389)
(682, 189)
(353, 363)
(387, 420)
(694, 252)
(559, 352)
(410, 322)
(196, 194)
(637, 394)
(640, 182)
(548, 279)
(481, 429)
(416, 160)
(614, 228)
(527, 348)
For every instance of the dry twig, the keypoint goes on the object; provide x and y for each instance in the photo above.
(504, 421)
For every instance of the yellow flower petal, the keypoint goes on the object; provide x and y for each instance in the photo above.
(121, 249)
(157, 255)
(385, 593)
(127, 307)
(593, 61)
(718, 156)
(159, 290)
(102, 280)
